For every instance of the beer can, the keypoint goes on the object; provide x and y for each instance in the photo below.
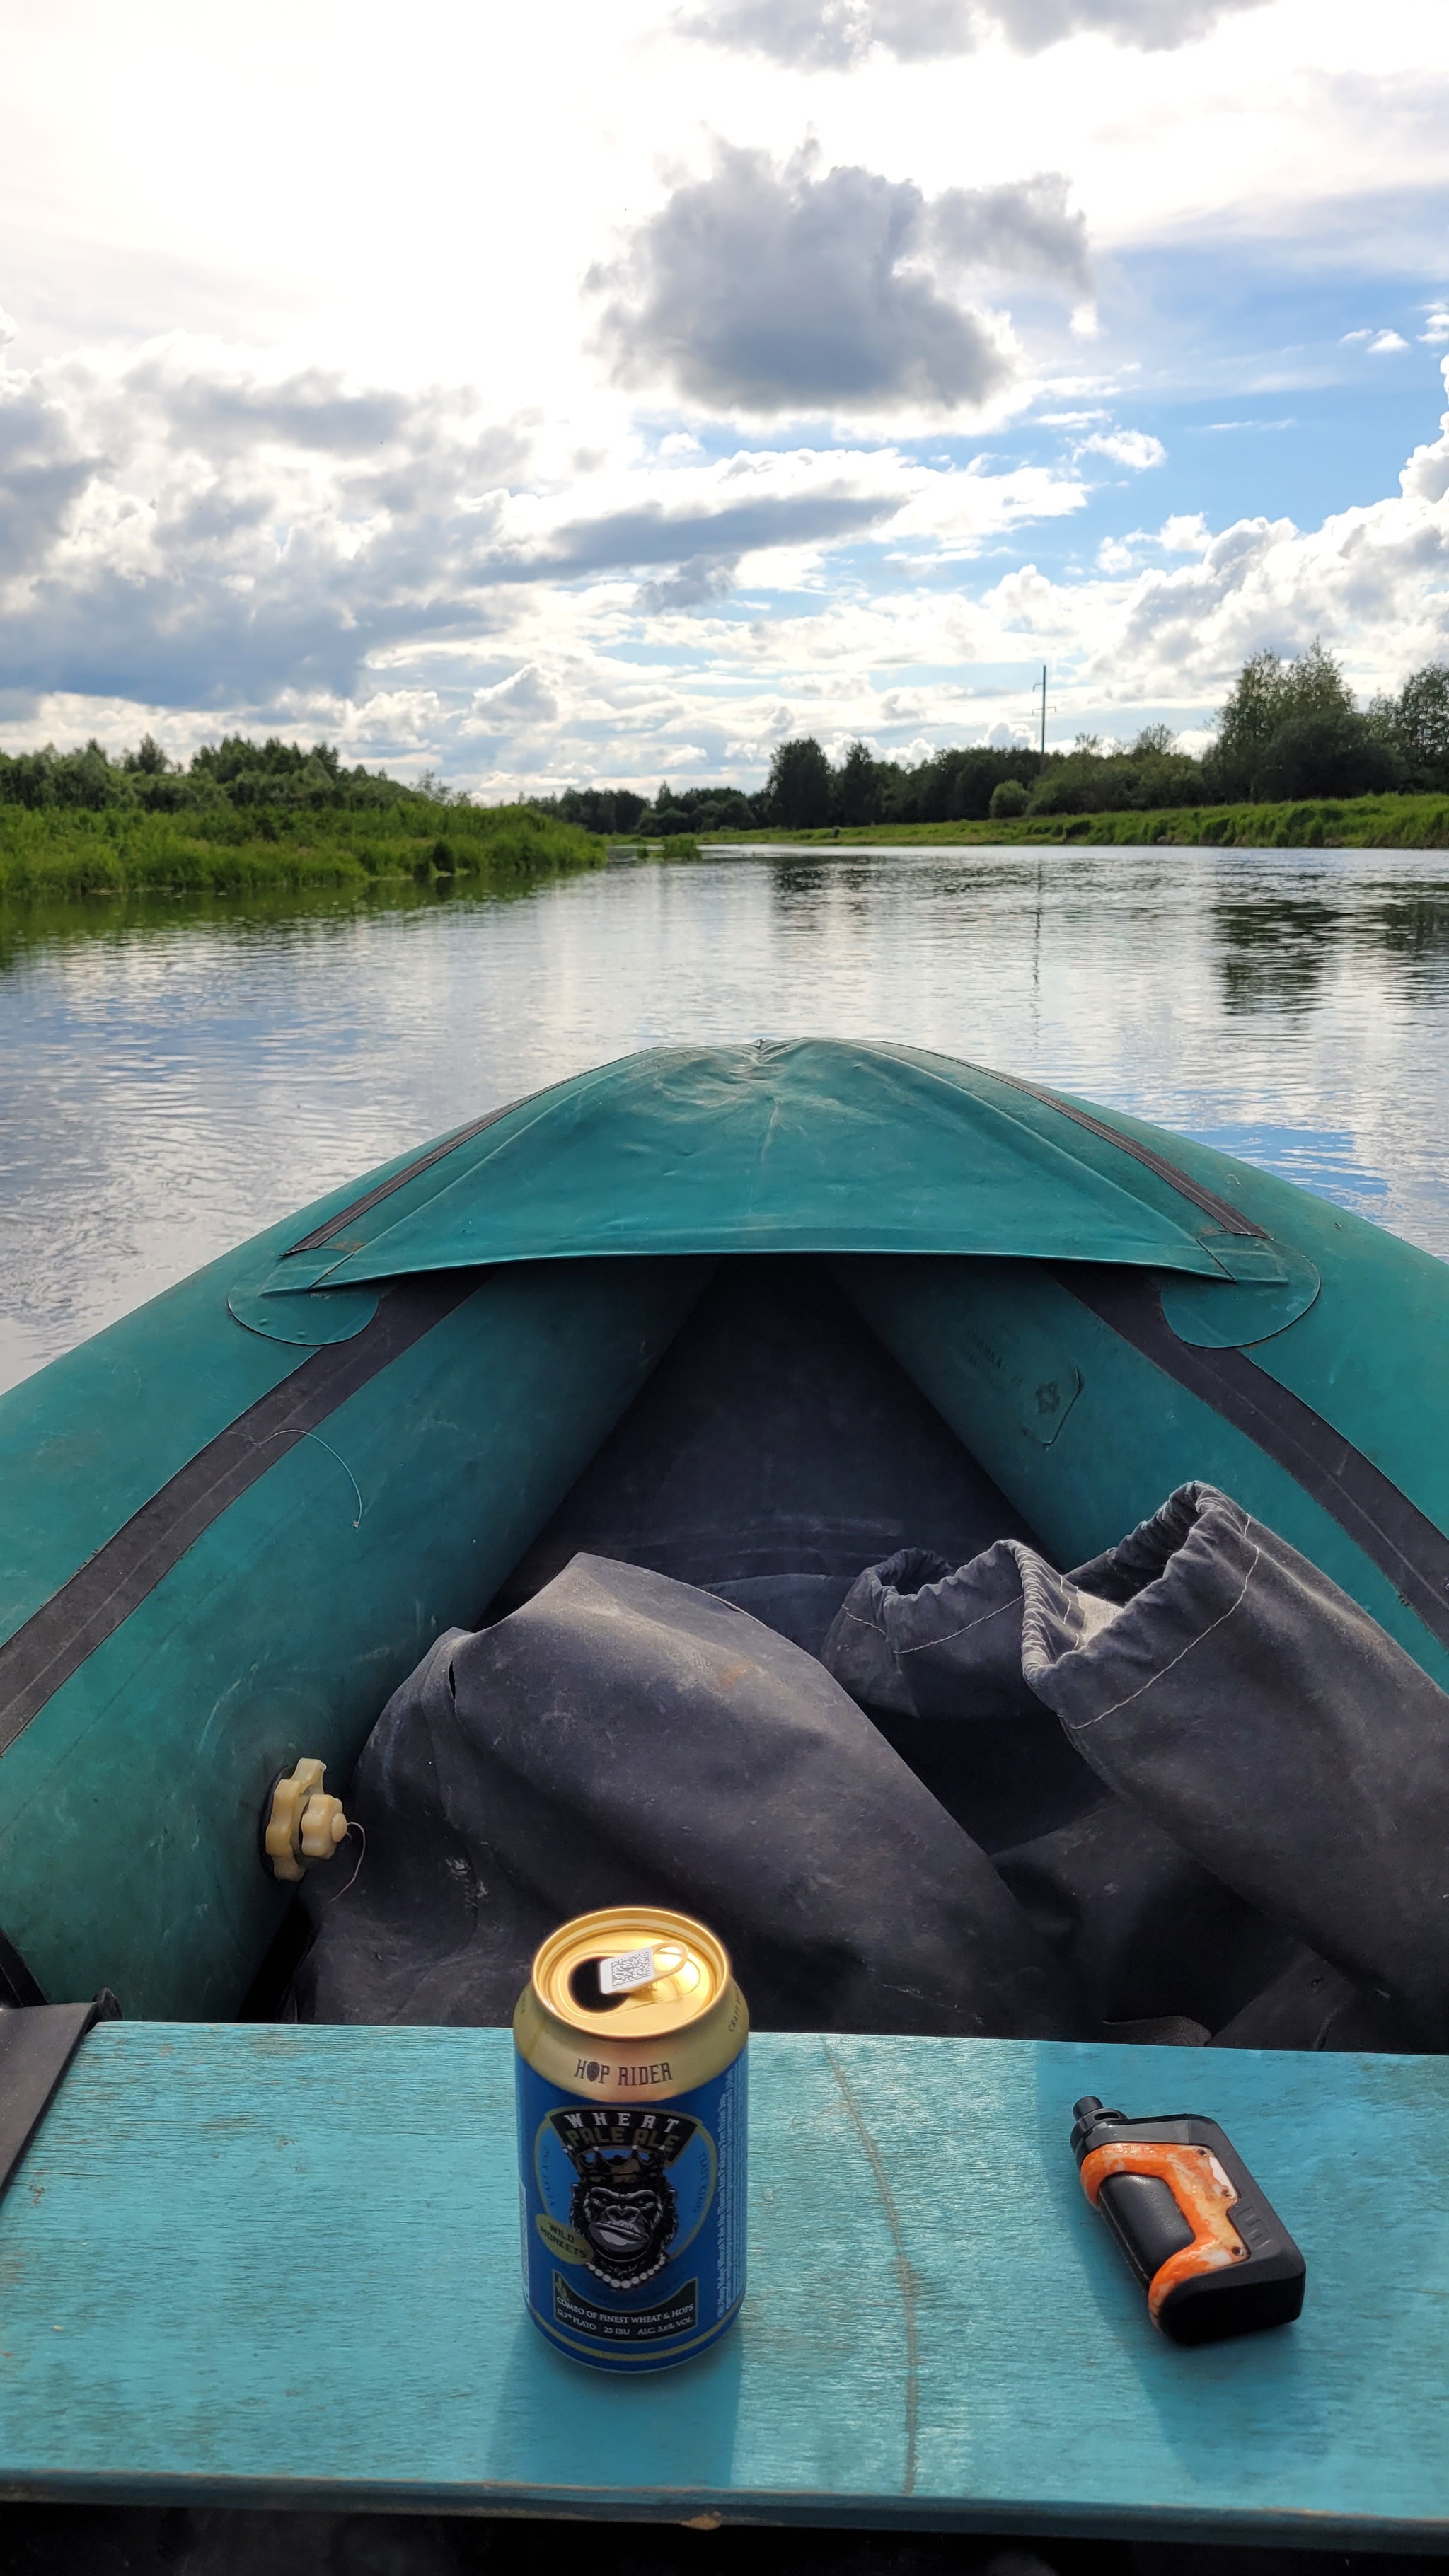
(631, 2068)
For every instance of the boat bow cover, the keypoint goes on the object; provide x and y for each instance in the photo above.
(808, 1145)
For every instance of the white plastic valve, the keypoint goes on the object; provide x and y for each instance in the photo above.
(305, 1823)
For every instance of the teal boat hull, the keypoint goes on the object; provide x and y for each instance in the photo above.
(234, 1521)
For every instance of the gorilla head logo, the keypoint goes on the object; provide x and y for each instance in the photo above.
(625, 2210)
(623, 2204)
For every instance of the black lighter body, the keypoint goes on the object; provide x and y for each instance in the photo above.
(1213, 2258)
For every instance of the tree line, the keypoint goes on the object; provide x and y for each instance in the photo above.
(1290, 728)
(261, 780)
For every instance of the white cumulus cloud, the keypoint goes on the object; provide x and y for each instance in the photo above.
(768, 287)
(836, 35)
(198, 540)
(1186, 533)
(1135, 448)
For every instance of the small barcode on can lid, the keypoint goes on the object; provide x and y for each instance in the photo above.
(619, 1976)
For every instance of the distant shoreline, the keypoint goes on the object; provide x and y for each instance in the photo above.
(1390, 822)
(53, 856)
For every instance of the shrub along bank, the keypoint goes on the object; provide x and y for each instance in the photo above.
(247, 815)
(50, 854)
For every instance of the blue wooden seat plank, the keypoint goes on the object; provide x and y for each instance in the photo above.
(280, 2266)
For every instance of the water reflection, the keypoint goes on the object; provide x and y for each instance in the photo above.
(175, 1075)
(1323, 1159)
(1277, 945)
(1274, 955)
(1415, 926)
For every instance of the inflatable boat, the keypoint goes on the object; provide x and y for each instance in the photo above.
(736, 1314)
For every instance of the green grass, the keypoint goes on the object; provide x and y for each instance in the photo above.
(53, 854)
(1359, 823)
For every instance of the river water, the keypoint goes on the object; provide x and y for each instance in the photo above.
(174, 1077)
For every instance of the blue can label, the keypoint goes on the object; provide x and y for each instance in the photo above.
(633, 2218)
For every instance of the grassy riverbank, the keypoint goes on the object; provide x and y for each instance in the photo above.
(54, 854)
(58, 855)
(1390, 822)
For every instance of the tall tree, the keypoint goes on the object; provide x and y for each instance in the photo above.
(1268, 695)
(800, 784)
(1419, 720)
(857, 789)
(1247, 722)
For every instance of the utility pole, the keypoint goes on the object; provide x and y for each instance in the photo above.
(1043, 714)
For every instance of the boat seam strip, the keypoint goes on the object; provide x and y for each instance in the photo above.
(100, 1596)
(1392, 1532)
(1231, 1219)
(334, 1225)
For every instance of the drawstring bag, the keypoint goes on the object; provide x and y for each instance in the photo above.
(1215, 1678)
(623, 1738)
(1148, 1932)
(933, 1653)
(921, 1638)
(1262, 1727)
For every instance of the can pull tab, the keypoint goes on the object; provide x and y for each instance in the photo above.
(623, 1975)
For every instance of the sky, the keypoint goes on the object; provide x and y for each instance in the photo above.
(602, 395)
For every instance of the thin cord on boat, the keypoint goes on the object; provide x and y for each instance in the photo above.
(332, 1453)
(347, 1472)
(353, 1828)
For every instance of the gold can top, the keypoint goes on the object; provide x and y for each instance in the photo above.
(631, 1972)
